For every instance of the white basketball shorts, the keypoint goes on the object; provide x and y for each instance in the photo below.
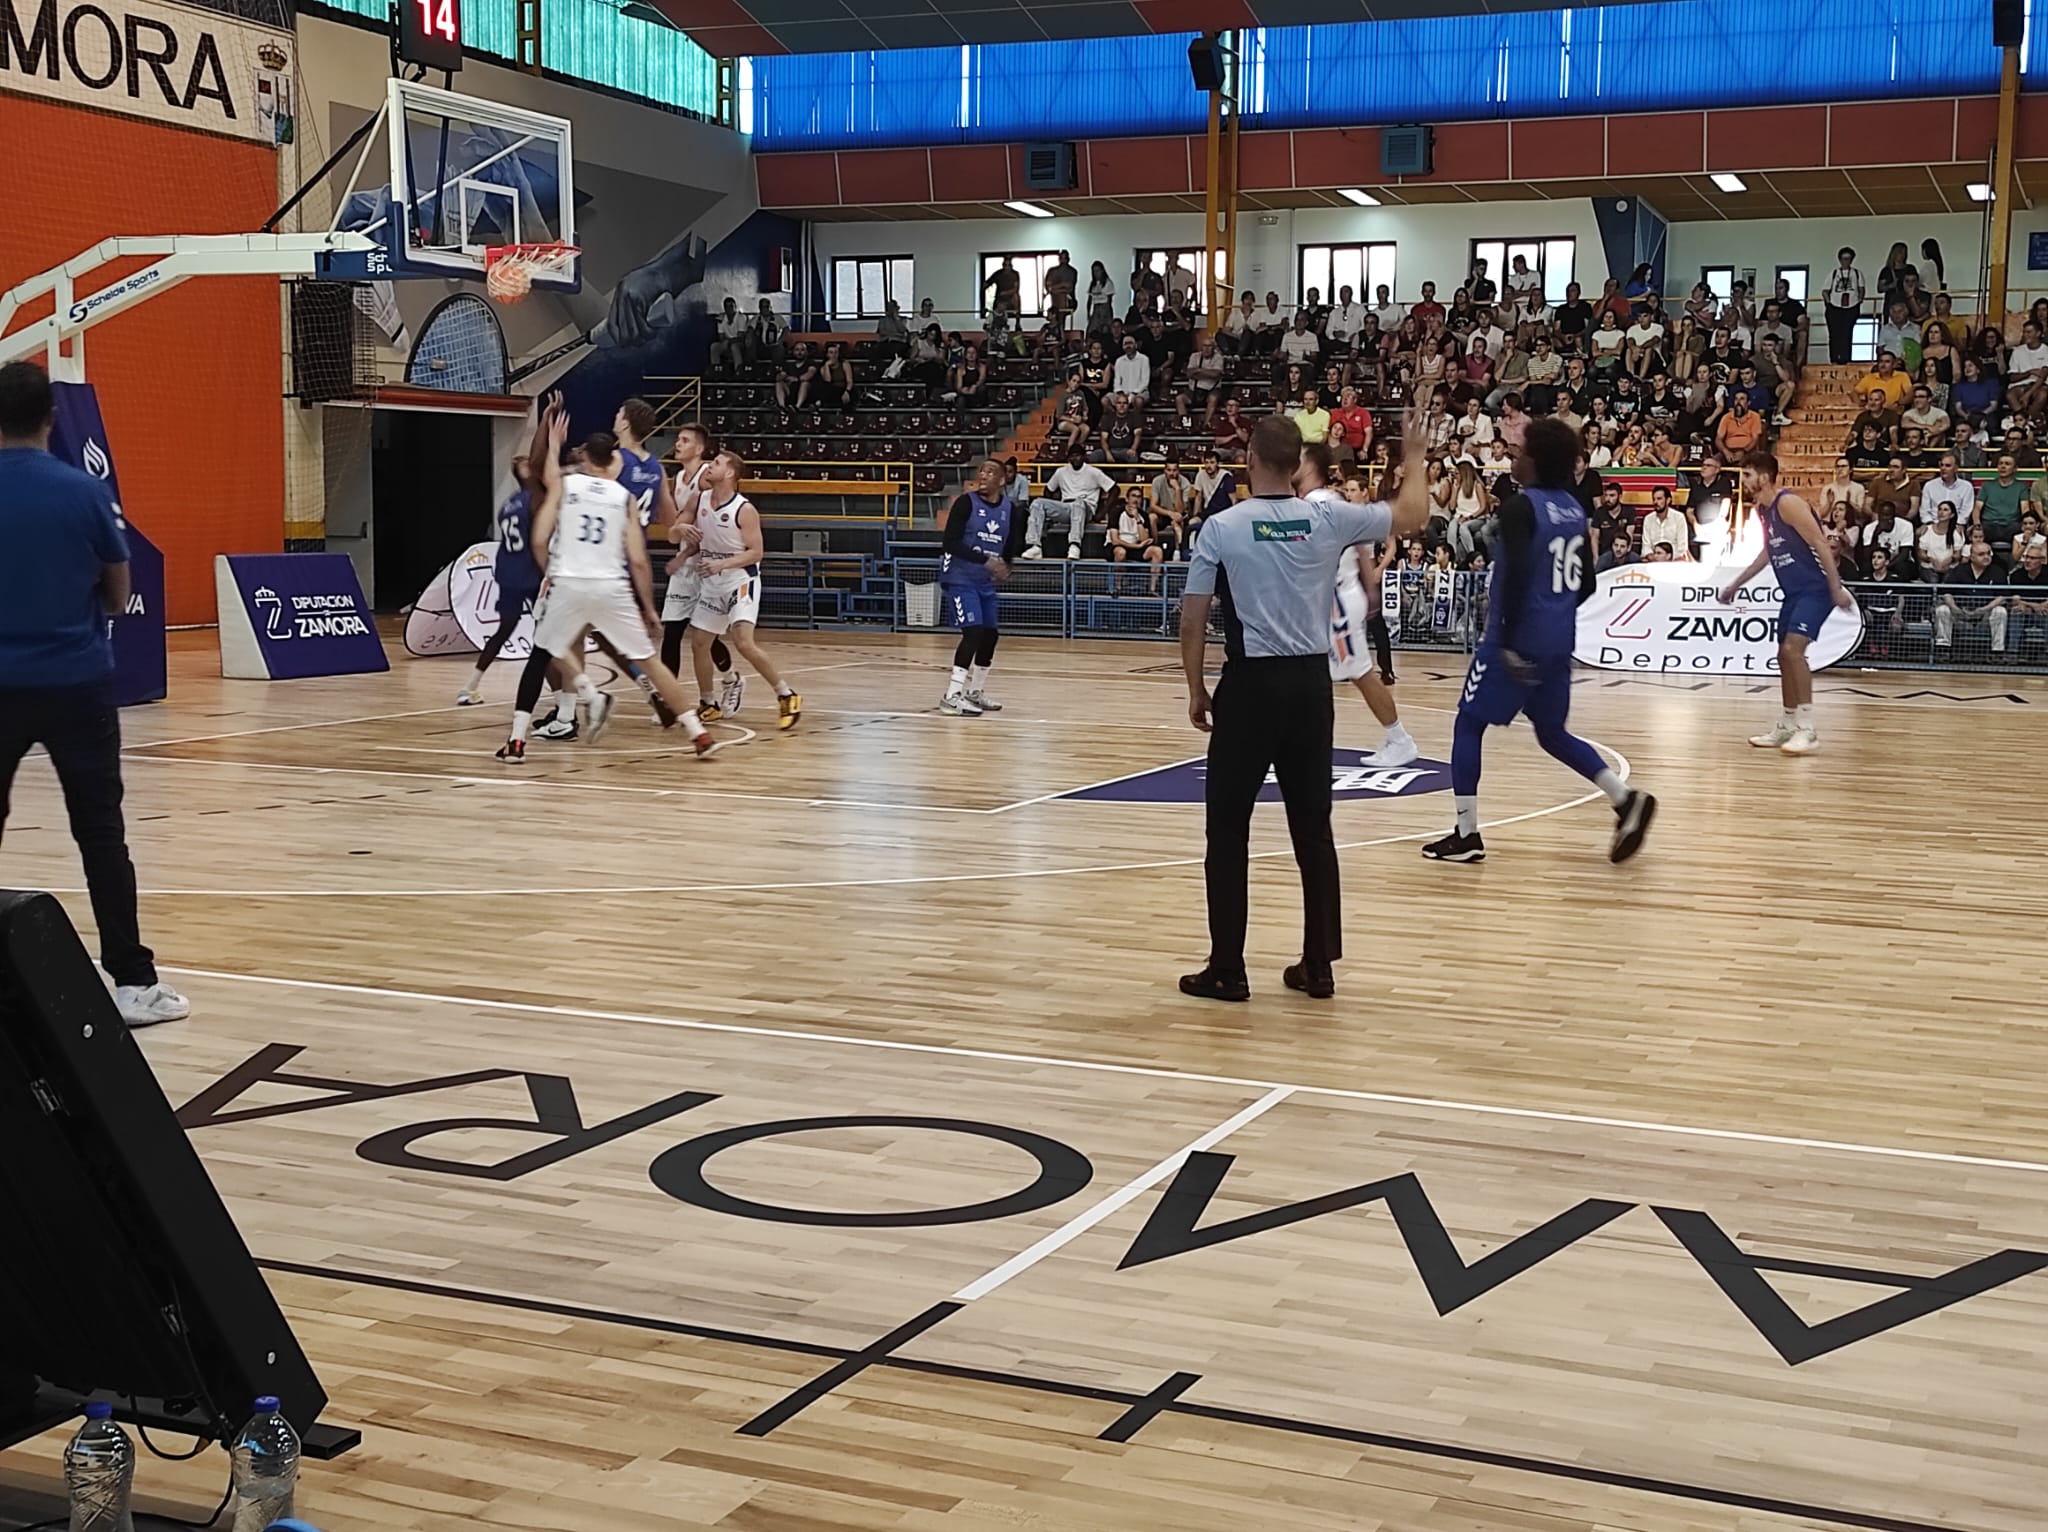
(1350, 647)
(730, 596)
(569, 605)
(681, 599)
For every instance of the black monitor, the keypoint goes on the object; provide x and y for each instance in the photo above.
(121, 1275)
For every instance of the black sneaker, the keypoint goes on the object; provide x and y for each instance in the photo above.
(1209, 985)
(1313, 980)
(1632, 818)
(663, 713)
(1456, 848)
(513, 752)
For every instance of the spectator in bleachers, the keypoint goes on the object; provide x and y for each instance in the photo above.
(1130, 536)
(1203, 382)
(1016, 487)
(765, 334)
(1777, 380)
(1876, 416)
(1233, 432)
(1890, 533)
(1343, 456)
(1896, 487)
(1976, 397)
(1386, 310)
(1891, 275)
(1475, 427)
(1566, 411)
(1840, 529)
(1950, 488)
(1885, 379)
(794, 373)
(927, 364)
(1073, 429)
(1075, 492)
(2026, 373)
(1267, 326)
(1101, 298)
(892, 334)
(1706, 401)
(1710, 494)
(1215, 490)
(2030, 596)
(1664, 452)
(1643, 349)
(830, 385)
(1607, 518)
(1898, 333)
(2002, 500)
(1357, 421)
(1510, 374)
(1843, 306)
(729, 346)
(967, 384)
(1061, 280)
(1619, 554)
(1344, 322)
(1177, 343)
(1312, 419)
(1514, 423)
(1173, 496)
(1971, 597)
(1092, 378)
(2031, 534)
(1545, 374)
(1741, 430)
(1775, 327)
(1122, 436)
(1884, 603)
(1937, 361)
(1427, 311)
(1473, 522)
(1131, 378)
(1239, 325)
(1660, 553)
(1313, 310)
(1843, 489)
(1299, 345)
(1573, 320)
(1942, 543)
(1005, 287)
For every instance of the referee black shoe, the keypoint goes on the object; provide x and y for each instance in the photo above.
(1210, 985)
(1632, 818)
(1313, 979)
(1456, 848)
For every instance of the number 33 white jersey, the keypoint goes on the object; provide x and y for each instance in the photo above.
(589, 542)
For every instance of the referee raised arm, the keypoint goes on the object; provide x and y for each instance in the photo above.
(1271, 560)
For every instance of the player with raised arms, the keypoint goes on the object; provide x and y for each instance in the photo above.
(514, 567)
(983, 535)
(729, 548)
(1524, 662)
(693, 459)
(1797, 550)
(1351, 656)
(599, 581)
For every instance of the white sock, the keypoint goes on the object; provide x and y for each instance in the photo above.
(690, 724)
(958, 688)
(1468, 813)
(522, 725)
(1802, 716)
(564, 703)
(1397, 734)
(476, 681)
(586, 690)
(977, 678)
(1789, 719)
(1613, 786)
(784, 689)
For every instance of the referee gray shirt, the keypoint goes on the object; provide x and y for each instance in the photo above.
(1273, 564)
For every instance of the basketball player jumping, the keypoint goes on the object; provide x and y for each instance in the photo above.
(693, 455)
(1351, 656)
(1524, 662)
(983, 534)
(598, 581)
(729, 548)
(514, 569)
(1804, 565)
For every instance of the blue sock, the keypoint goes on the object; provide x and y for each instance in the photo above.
(1468, 736)
(1573, 751)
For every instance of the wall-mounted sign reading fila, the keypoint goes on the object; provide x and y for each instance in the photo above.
(196, 69)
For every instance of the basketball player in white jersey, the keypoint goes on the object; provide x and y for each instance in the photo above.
(693, 458)
(599, 581)
(1351, 657)
(729, 547)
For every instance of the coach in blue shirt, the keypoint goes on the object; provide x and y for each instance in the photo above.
(1271, 562)
(63, 568)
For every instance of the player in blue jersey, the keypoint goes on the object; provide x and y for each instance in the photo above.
(1804, 566)
(983, 535)
(1541, 573)
(515, 569)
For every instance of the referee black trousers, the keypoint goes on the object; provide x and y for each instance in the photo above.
(1277, 715)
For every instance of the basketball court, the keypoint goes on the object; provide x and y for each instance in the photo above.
(814, 1137)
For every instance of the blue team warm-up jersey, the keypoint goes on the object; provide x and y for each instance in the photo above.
(641, 475)
(988, 532)
(1549, 619)
(516, 571)
(1792, 556)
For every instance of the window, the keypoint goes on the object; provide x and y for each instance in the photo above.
(863, 286)
(1720, 281)
(1551, 259)
(1794, 278)
(1187, 260)
(1032, 265)
(1362, 268)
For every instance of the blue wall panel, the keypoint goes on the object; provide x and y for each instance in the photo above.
(1625, 58)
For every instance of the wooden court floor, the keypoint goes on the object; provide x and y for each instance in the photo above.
(813, 1137)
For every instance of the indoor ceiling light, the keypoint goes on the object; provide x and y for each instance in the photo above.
(1029, 209)
(1980, 191)
(1363, 199)
(1729, 182)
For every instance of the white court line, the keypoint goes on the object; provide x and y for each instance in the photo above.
(1117, 1200)
(1429, 1103)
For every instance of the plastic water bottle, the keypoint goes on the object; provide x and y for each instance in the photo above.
(266, 1457)
(99, 1472)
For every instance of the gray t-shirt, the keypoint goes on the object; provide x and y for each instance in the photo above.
(1274, 563)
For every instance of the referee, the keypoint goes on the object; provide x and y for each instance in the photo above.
(1272, 562)
(63, 568)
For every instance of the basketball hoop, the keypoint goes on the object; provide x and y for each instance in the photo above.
(509, 270)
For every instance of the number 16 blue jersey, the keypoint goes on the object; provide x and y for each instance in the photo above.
(1539, 618)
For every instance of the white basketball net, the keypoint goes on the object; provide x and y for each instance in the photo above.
(509, 270)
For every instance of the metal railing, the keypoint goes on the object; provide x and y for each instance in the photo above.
(680, 405)
(1920, 625)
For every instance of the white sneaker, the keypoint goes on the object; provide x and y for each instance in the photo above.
(1801, 742)
(1394, 755)
(1775, 735)
(1781, 419)
(145, 1007)
(981, 701)
(960, 705)
(1073, 550)
(732, 691)
(1033, 552)
(556, 727)
(467, 698)
(594, 712)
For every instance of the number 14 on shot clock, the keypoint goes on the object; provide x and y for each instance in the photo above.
(430, 33)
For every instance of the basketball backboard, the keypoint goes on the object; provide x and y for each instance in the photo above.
(465, 174)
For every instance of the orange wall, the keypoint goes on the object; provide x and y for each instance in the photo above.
(189, 381)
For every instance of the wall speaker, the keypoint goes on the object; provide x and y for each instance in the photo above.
(1049, 167)
(1407, 151)
(2008, 23)
(1205, 63)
